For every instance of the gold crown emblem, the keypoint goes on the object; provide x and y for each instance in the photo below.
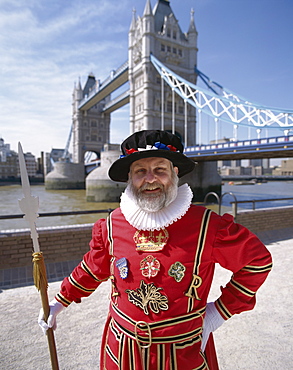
(150, 241)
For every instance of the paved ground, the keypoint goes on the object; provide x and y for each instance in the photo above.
(256, 340)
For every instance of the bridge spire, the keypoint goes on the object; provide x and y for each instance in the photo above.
(148, 8)
(192, 28)
(133, 21)
(79, 84)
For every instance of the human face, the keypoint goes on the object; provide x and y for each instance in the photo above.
(153, 182)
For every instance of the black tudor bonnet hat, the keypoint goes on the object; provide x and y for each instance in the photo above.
(146, 144)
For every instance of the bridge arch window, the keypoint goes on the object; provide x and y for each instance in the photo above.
(169, 48)
(169, 106)
(163, 47)
(168, 32)
(180, 52)
(174, 34)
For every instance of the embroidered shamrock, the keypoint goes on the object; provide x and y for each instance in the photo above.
(177, 271)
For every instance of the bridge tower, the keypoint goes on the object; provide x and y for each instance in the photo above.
(158, 32)
(90, 131)
(91, 128)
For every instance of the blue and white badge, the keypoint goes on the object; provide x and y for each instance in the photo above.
(122, 267)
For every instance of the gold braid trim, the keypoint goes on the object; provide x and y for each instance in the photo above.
(39, 271)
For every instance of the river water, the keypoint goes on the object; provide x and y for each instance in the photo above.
(75, 200)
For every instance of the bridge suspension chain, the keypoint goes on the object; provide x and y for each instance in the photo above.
(222, 104)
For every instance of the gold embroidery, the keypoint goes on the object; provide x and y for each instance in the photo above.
(147, 296)
(177, 271)
(196, 283)
(150, 241)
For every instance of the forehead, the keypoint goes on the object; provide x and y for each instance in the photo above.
(151, 162)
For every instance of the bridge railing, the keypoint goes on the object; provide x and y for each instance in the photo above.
(243, 143)
(116, 100)
(114, 74)
(105, 83)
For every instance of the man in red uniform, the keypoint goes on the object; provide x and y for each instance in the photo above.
(159, 252)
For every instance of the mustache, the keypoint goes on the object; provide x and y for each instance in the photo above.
(150, 186)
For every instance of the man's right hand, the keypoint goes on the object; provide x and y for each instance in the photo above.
(55, 308)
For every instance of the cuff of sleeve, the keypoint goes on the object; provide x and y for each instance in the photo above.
(61, 299)
(222, 310)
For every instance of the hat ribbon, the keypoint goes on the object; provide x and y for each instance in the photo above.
(158, 145)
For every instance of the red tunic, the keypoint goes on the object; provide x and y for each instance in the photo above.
(159, 297)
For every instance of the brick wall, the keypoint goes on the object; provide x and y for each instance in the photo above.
(70, 243)
(266, 219)
(58, 244)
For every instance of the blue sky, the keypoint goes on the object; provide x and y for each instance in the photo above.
(47, 45)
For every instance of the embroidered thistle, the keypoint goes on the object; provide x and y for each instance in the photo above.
(177, 271)
(147, 296)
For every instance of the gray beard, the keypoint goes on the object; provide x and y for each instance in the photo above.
(155, 202)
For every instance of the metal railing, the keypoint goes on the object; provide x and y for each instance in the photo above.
(109, 210)
(236, 202)
(254, 201)
(53, 214)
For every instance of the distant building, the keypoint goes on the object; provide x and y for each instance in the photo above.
(244, 171)
(4, 149)
(286, 168)
(230, 163)
(260, 162)
(8, 162)
(31, 164)
(40, 165)
(9, 168)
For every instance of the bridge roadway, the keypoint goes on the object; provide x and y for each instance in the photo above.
(116, 79)
(273, 147)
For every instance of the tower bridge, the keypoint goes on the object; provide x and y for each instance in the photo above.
(159, 81)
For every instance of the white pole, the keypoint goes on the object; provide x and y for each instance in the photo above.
(185, 122)
(162, 103)
(173, 111)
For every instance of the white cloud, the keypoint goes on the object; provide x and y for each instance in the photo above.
(44, 49)
(45, 46)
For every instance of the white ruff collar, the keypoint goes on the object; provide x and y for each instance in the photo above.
(143, 220)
